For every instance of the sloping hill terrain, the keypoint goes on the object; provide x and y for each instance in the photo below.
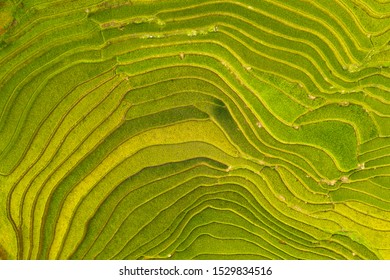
(199, 129)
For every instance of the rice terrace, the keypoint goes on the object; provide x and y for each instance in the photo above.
(196, 129)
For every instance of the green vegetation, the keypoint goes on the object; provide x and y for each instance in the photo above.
(200, 129)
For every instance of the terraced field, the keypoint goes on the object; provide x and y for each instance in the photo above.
(199, 129)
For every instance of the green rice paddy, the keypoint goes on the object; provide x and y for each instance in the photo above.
(199, 129)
